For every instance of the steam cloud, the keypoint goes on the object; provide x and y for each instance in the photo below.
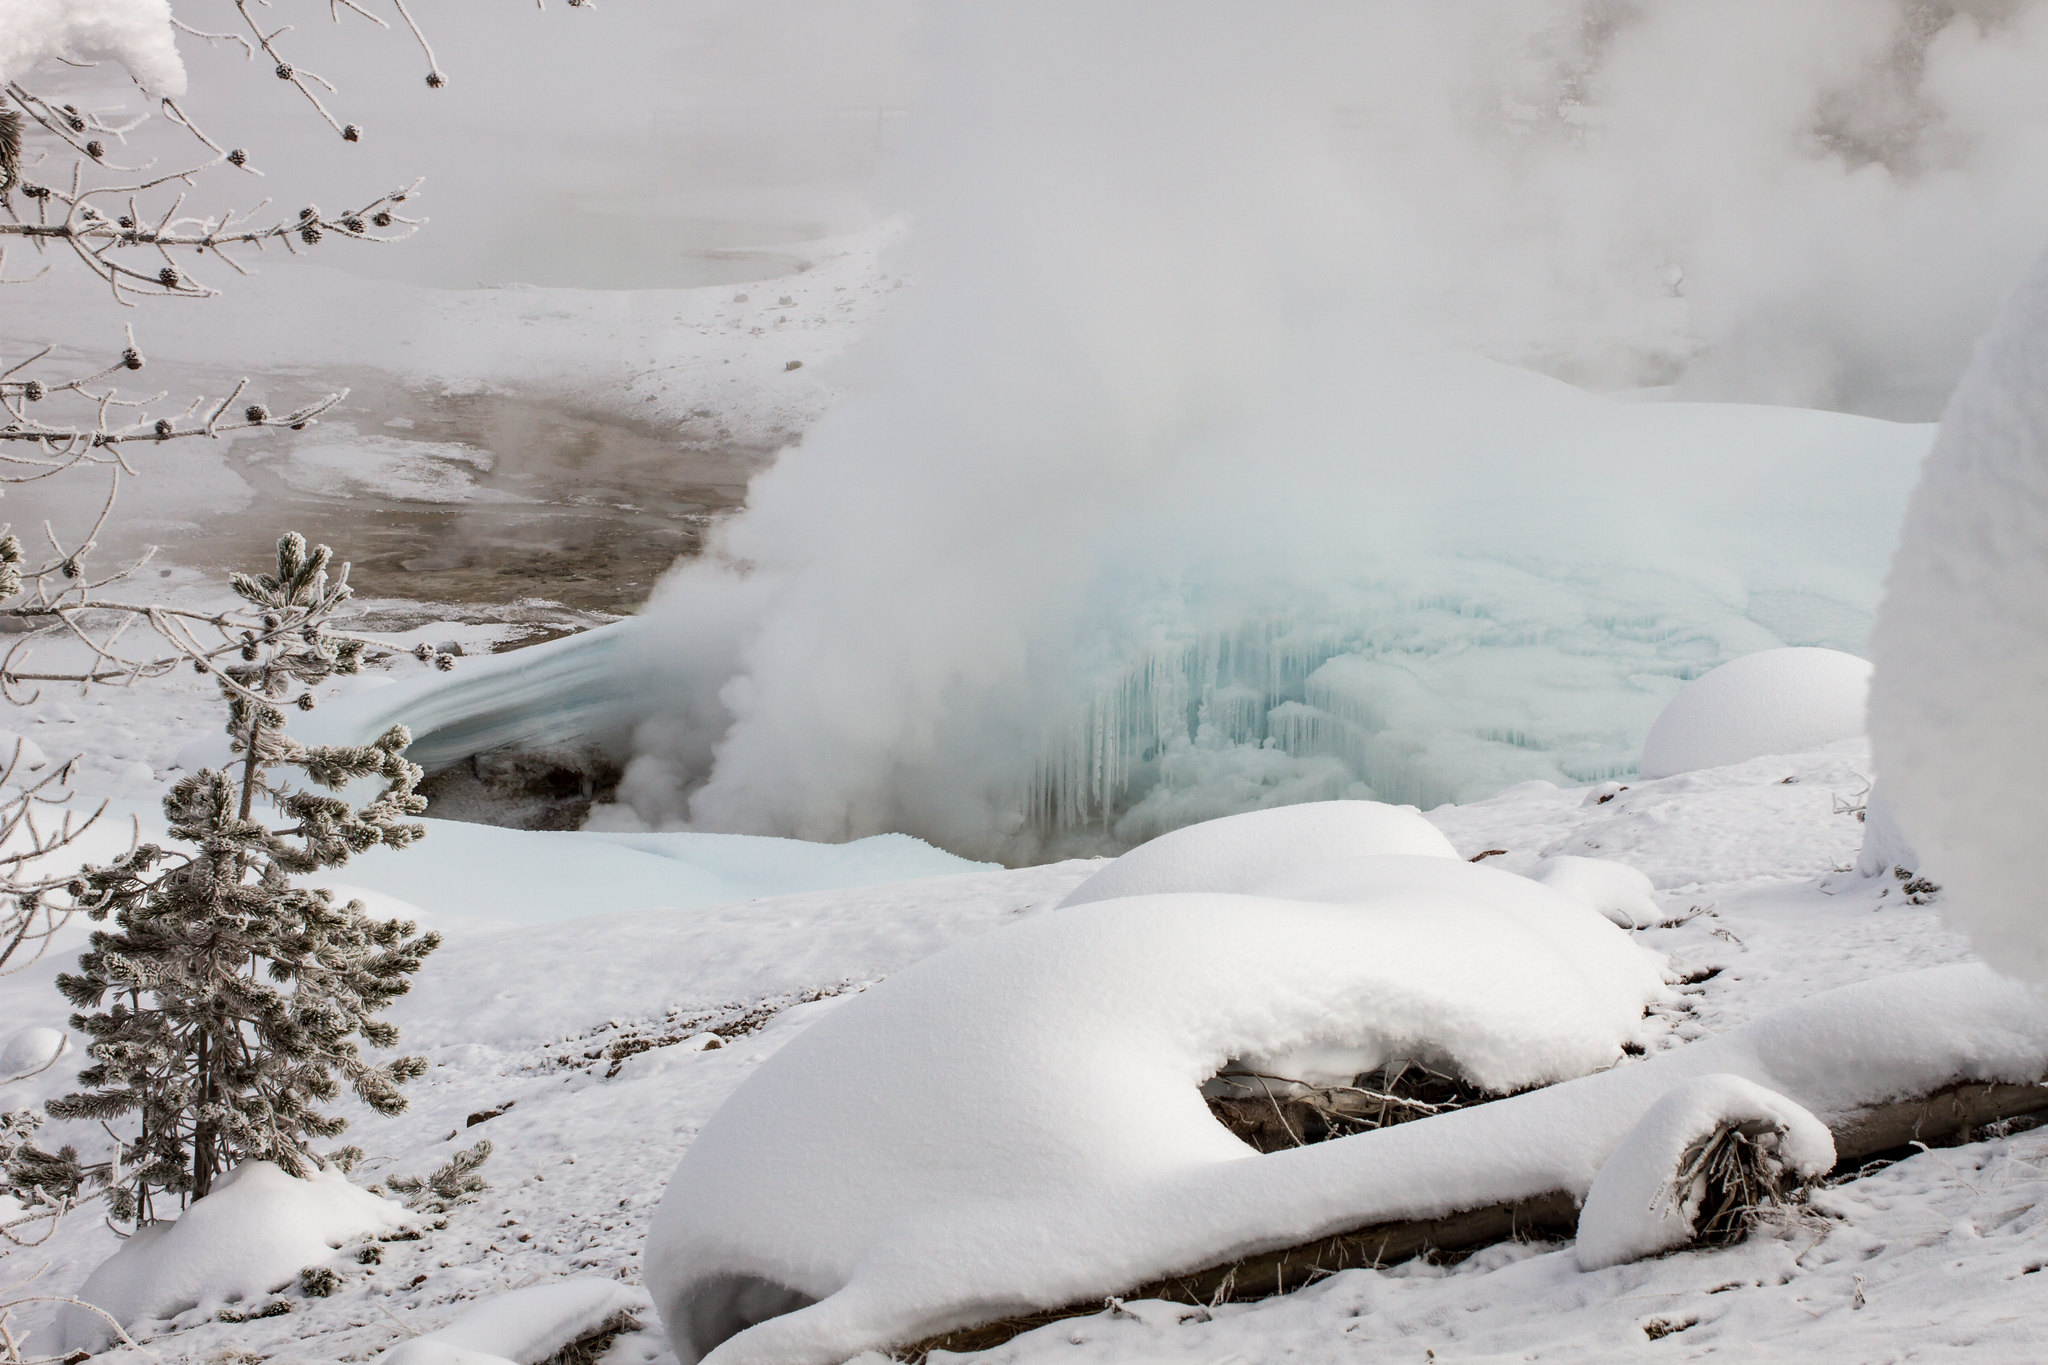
(1178, 483)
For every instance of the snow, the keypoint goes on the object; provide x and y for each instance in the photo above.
(487, 875)
(1885, 846)
(20, 753)
(526, 1326)
(135, 33)
(1244, 852)
(251, 1235)
(969, 1115)
(1621, 893)
(1646, 1200)
(1743, 857)
(1961, 646)
(939, 1212)
(1775, 701)
(29, 1051)
(485, 703)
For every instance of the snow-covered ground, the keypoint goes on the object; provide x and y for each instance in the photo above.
(576, 1048)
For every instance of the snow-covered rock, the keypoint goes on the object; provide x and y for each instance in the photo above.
(1775, 701)
(1616, 890)
(252, 1234)
(1957, 726)
(953, 1136)
(135, 33)
(29, 1051)
(1647, 1197)
(1014, 1124)
(1241, 853)
(522, 1326)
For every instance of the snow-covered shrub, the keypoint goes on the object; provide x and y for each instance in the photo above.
(1244, 852)
(1775, 701)
(1702, 1164)
(1957, 724)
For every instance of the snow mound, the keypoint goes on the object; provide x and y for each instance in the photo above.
(952, 1136)
(1647, 1198)
(1242, 852)
(1885, 845)
(20, 752)
(135, 33)
(252, 1235)
(30, 1051)
(1775, 701)
(522, 1326)
(1961, 643)
(1616, 890)
(1014, 1125)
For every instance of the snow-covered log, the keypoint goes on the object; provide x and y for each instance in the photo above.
(1013, 1127)
(1652, 1193)
(1951, 1114)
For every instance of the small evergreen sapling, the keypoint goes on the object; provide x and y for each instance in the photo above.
(225, 1003)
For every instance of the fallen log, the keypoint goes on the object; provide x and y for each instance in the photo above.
(1947, 1117)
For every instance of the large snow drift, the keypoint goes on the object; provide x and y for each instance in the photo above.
(1957, 722)
(1246, 852)
(253, 1234)
(960, 1134)
(1776, 701)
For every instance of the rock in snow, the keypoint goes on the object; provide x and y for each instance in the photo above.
(1242, 852)
(252, 1234)
(1647, 1196)
(1776, 701)
(1957, 727)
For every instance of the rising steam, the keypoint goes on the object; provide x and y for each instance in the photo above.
(1180, 484)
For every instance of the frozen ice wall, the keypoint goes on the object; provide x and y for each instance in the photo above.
(1190, 477)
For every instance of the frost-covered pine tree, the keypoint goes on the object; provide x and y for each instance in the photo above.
(225, 1003)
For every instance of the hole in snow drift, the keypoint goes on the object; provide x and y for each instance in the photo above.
(1273, 1113)
(712, 1310)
